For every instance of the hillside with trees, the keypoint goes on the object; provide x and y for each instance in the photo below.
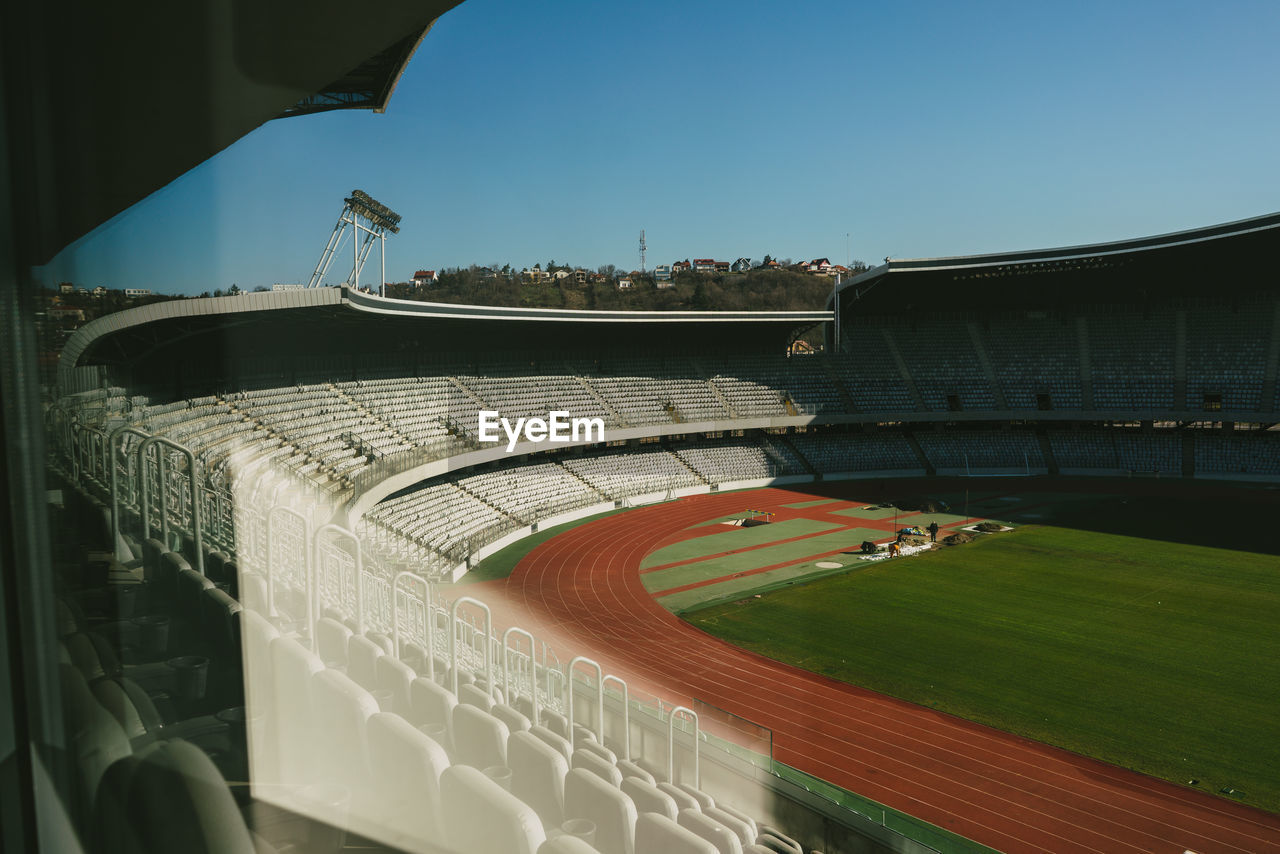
(753, 290)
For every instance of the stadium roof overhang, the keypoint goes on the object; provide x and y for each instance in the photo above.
(130, 96)
(333, 320)
(1218, 261)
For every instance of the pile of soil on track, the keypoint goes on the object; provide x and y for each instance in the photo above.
(957, 538)
(989, 527)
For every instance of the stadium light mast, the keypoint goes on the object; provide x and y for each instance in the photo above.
(366, 216)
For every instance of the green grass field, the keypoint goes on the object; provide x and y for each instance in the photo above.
(1126, 632)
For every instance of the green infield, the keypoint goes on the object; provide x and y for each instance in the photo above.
(732, 538)
(812, 547)
(1124, 631)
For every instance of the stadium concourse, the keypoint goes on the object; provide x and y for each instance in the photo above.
(281, 512)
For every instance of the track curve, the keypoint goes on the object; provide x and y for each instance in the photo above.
(581, 590)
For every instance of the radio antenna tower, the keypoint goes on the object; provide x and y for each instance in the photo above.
(364, 214)
(642, 248)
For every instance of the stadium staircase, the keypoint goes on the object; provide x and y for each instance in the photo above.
(1046, 450)
(517, 522)
(1086, 364)
(383, 428)
(696, 473)
(469, 394)
(586, 483)
(905, 372)
(1269, 390)
(984, 360)
(846, 399)
(614, 415)
(720, 398)
(1180, 360)
(781, 458)
(925, 463)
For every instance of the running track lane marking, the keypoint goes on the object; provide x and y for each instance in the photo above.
(746, 572)
(990, 786)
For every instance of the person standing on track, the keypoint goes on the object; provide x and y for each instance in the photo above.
(933, 531)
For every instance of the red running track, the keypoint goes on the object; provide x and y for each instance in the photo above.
(582, 591)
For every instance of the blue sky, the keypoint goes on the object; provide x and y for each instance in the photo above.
(523, 132)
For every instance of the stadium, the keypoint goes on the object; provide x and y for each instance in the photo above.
(292, 599)
(312, 507)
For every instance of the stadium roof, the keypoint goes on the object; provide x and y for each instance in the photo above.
(327, 321)
(1219, 261)
(130, 97)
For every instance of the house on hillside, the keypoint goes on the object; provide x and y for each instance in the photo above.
(704, 265)
(770, 265)
(681, 267)
(742, 265)
(819, 267)
(624, 284)
(662, 273)
(66, 312)
(425, 277)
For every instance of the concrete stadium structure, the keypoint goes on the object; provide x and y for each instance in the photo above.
(222, 536)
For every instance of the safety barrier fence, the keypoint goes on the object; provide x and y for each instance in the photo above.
(275, 531)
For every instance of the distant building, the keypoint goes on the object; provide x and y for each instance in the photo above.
(770, 265)
(580, 276)
(134, 293)
(561, 274)
(820, 267)
(681, 267)
(535, 275)
(623, 284)
(662, 273)
(278, 286)
(99, 291)
(65, 312)
(742, 265)
(66, 288)
(425, 277)
(704, 265)
(722, 266)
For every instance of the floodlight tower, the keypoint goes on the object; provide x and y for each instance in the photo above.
(357, 210)
(642, 248)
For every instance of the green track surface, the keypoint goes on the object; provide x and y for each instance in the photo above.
(1101, 638)
(803, 504)
(735, 538)
(723, 565)
(868, 512)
